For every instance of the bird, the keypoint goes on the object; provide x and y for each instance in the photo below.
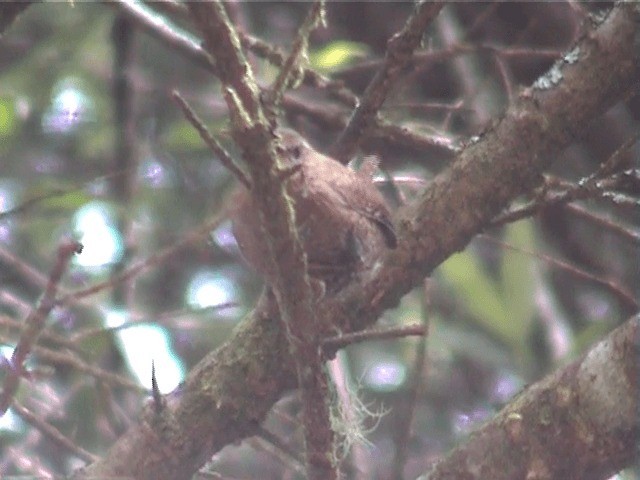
(342, 220)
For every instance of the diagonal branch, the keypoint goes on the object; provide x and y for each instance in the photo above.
(588, 410)
(292, 287)
(34, 323)
(208, 138)
(508, 159)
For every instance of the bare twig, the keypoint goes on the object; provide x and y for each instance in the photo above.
(34, 323)
(419, 59)
(215, 147)
(61, 340)
(403, 430)
(125, 158)
(67, 358)
(291, 67)
(399, 52)
(267, 441)
(174, 37)
(173, 7)
(28, 272)
(53, 433)
(614, 227)
(32, 202)
(597, 184)
(333, 344)
(335, 119)
(624, 295)
(155, 259)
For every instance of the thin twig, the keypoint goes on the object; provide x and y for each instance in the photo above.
(32, 202)
(406, 410)
(173, 7)
(9, 323)
(333, 344)
(125, 141)
(614, 227)
(34, 323)
(399, 53)
(432, 56)
(67, 358)
(595, 185)
(267, 441)
(291, 66)
(53, 433)
(173, 36)
(625, 296)
(192, 237)
(215, 147)
(334, 118)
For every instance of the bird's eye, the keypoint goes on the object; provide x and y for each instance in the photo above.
(295, 152)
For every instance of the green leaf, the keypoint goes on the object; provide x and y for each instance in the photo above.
(7, 117)
(480, 294)
(183, 136)
(337, 54)
(518, 274)
(67, 201)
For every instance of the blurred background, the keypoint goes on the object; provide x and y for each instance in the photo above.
(94, 148)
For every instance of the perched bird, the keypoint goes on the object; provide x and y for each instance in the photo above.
(343, 222)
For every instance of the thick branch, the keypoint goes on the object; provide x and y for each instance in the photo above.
(507, 160)
(229, 393)
(580, 422)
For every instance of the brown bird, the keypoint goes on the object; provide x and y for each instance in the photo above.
(343, 222)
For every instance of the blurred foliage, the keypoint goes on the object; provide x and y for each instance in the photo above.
(506, 307)
(337, 54)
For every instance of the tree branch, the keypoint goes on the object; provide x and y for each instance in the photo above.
(291, 285)
(34, 323)
(580, 422)
(399, 53)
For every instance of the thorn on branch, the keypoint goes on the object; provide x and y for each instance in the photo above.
(158, 401)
